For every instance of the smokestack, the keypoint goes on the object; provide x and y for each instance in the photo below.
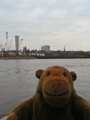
(7, 40)
(6, 35)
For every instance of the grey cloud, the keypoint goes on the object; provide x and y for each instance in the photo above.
(47, 20)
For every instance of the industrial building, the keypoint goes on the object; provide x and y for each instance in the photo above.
(17, 42)
(45, 48)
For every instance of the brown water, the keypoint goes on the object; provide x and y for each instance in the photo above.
(18, 82)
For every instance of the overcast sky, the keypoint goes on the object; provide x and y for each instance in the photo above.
(57, 23)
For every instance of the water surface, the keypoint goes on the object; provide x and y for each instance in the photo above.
(18, 82)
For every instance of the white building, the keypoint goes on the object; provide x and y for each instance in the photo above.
(45, 48)
(17, 42)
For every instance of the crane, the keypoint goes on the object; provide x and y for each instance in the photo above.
(10, 44)
(1, 47)
(20, 43)
(5, 45)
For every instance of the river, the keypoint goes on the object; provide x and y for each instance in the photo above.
(18, 82)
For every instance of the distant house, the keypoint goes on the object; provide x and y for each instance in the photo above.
(45, 48)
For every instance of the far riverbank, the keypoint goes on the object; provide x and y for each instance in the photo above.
(17, 57)
(39, 57)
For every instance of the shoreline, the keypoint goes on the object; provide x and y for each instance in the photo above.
(32, 57)
(17, 58)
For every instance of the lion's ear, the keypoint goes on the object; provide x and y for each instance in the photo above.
(38, 73)
(74, 76)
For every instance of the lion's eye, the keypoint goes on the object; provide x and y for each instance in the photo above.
(48, 73)
(64, 74)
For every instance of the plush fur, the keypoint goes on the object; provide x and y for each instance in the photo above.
(55, 98)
